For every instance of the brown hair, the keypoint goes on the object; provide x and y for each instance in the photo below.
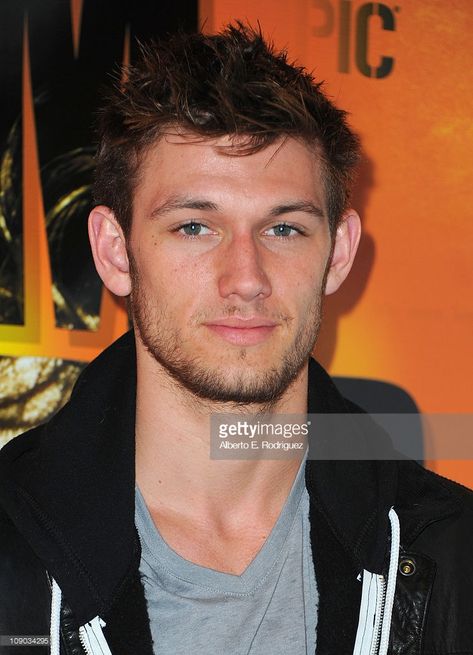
(231, 83)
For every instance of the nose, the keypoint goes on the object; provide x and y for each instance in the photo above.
(242, 273)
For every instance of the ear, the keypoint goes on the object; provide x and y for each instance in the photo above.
(346, 243)
(109, 250)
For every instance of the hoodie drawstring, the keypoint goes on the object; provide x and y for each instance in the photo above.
(92, 632)
(377, 600)
(392, 577)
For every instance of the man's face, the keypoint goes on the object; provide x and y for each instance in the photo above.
(228, 255)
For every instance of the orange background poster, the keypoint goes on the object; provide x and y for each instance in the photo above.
(404, 72)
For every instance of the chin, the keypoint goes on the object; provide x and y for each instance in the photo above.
(237, 384)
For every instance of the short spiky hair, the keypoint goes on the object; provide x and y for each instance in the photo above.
(232, 83)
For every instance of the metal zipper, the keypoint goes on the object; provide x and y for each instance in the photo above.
(92, 638)
(370, 624)
(380, 604)
(55, 624)
(82, 641)
(377, 599)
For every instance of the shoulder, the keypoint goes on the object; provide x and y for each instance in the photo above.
(435, 512)
(16, 555)
(436, 517)
(22, 579)
(462, 496)
(422, 484)
(17, 447)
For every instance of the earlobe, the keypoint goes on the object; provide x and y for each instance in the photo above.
(344, 250)
(109, 250)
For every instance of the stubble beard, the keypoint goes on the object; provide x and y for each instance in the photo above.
(264, 388)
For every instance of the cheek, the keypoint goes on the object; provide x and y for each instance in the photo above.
(177, 280)
(299, 284)
(184, 272)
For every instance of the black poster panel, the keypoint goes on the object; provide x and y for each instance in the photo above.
(72, 48)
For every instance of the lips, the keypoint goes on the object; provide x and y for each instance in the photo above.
(242, 332)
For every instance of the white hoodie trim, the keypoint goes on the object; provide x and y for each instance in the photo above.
(392, 577)
(93, 639)
(54, 633)
(91, 635)
(377, 599)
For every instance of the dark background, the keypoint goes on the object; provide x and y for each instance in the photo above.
(66, 93)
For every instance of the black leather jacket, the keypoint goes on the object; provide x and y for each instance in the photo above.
(67, 512)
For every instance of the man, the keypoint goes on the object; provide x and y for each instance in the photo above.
(223, 183)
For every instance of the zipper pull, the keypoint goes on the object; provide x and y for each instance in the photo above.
(93, 639)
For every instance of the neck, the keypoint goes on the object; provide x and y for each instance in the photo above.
(173, 465)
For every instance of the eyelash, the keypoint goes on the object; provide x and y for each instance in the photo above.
(298, 230)
(187, 224)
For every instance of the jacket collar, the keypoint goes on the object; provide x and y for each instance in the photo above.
(355, 496)
(69, 485)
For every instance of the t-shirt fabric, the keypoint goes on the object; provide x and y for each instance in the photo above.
(270, 608)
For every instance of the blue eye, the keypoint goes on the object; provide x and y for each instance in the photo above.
(192, 229)
(283, 230)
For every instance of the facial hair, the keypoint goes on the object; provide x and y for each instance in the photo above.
(208, 383)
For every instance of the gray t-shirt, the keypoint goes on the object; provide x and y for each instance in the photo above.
(270, 608)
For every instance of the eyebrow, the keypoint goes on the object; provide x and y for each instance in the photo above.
(183, 202)
(301, 206)
(186, 202)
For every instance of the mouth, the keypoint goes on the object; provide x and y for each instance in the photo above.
(242, 332)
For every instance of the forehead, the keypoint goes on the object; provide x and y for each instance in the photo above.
(219, 169)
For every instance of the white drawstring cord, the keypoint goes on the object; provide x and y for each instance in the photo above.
(54, 638)
(377, 600)
(391, 585)
(54, 634)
